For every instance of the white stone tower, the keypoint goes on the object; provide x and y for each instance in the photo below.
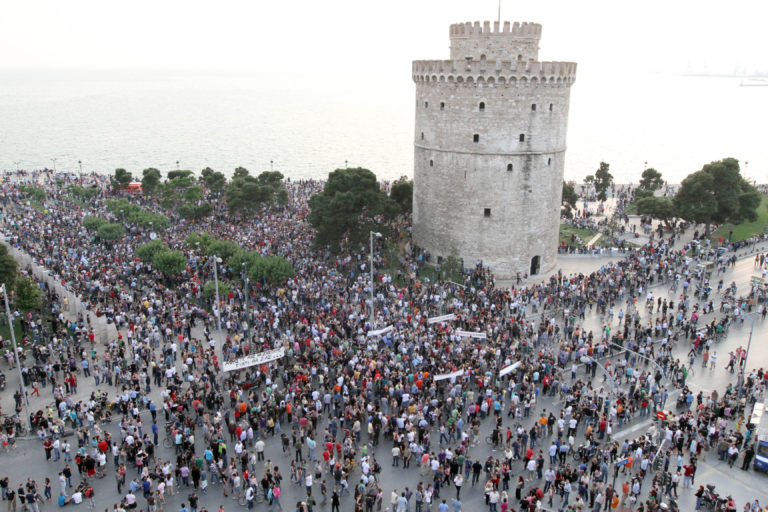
(489, 149)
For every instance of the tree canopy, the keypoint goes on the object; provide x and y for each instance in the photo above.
(150, 180)
(146, 252)
(28, 295)
(246, 194)
(351, 204)
(662, 208)
(603, 180)
(651, 180)
(170, 263)
(135, 214)
(111, 232)
(273, 270)
(9, 268)
(214, 180)
(122, 178)
(717, 194)
(569, 201)
(402, 194)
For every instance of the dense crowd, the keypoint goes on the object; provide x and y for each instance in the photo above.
(423, 393)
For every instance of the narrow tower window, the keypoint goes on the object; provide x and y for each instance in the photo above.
(422, 135)
(486, 212)
(549, 161)
(551, 107)
(522, 137)
(533, 107)
(482, 106)
(509, 167)
(442, 105)
(476, 137)
(431, 163)
(426, 104)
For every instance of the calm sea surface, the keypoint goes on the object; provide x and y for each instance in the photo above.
(311, 124)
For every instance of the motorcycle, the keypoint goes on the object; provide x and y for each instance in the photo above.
(2, 381)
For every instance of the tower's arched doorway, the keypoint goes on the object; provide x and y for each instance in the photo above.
(535, 264)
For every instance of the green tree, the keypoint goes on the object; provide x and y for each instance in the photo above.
(402, 194)
(170, 263)
(28, 295)
(146, 252)
(273, 270)
(242, 257)
(201, 239)
(452, 265)
(350, 205)
(84, 193)
(224, 249)
(122, 178)
(214, 180)
(603, 181)
(662, 208)
(178, 173)
(209, 290)
(31, 192)
(150, 180)
(717, 194)
(246, 194)
(92, 223)
(9, 268)
(569, 201)
(240, 172)
(651, 180)
(111, 232)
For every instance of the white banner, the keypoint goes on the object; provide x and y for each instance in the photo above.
(380, 331)
(457, 373)
(471, 334)
(443, 318)
(254, 359)
(510, 368)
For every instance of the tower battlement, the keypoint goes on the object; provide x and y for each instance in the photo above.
(516, 29)
(489, 149)
(512, 41)
(546, 73)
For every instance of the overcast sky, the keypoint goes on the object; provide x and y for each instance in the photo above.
(352, 35)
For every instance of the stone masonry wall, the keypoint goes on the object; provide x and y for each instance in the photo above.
(488, 161)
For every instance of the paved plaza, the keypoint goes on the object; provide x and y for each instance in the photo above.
(28, 459)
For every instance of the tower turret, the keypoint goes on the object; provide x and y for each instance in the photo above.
(489, 149)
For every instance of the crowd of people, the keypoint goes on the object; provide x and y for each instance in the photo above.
(515, 368)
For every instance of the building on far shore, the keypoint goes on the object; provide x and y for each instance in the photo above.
(489, 149)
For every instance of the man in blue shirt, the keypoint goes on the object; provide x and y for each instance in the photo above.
(443, 507)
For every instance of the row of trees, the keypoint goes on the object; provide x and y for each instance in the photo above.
(184, 193)
(22, 290)
(716, 194)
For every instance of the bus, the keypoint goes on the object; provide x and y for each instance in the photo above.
(759, 422)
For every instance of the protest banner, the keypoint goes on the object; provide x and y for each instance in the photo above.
(442, 318)
(380, 331)
(254, 359)
(509, 369)
(471, 334)
(457, 373)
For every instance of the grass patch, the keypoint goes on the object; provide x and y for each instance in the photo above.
(5, 332)
(745, 229)
(567, 231)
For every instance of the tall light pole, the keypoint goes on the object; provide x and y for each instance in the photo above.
(80, 163)
(16, 356)
(377, 235)
(271, 165)
(346, 164)
(177, 165)
(216, 261)
(54, 164)
(17, 163)
(247, 321)
(746, 356)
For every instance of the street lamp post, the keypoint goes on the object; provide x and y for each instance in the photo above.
(177, 165)
(247, 321)
(80, 163)
(746, 356)
(271, 165)
(16, 356)
(54, 164)
(216, 261)
(377, 235)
